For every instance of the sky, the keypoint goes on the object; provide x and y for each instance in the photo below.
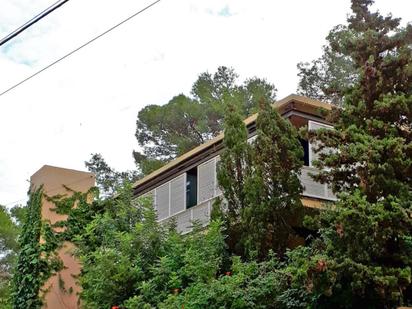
(89, 102)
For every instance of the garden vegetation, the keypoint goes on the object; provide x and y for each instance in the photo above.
(359, 251)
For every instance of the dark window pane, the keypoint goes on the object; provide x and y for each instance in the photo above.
(305, 145)
(191, 187)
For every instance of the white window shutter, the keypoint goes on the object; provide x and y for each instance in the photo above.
(177, 195)
(206, 181)
(218, 191)
(162, 201)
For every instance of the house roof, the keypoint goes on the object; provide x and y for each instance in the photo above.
(300, 103)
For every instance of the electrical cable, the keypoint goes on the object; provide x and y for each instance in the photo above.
(78, 48)
(32, 21)
(69, 54)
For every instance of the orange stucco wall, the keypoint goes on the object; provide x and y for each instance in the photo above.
(53, 180)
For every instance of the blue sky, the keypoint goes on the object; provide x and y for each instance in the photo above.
(89, 102)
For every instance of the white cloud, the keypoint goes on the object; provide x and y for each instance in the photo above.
(89, 102)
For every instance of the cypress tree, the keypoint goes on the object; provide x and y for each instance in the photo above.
(233, 171)
(367, 236)
(273, 190)
(260, 182)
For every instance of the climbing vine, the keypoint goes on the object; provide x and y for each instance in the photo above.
(37, 260)
(80, 208)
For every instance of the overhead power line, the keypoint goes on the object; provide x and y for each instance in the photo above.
(32, 21)
(78, 48)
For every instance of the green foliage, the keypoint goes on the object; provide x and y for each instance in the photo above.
(363, 255)
(128, 258)
(131, 261)
(9, 231)
(381, 275)
(80, 209)
(233, 170)
(164, 132)
(36, 260)
(260, 182)
(273, 190)
(329, 77)
(248, 285)
(366, 235)
(108, 179)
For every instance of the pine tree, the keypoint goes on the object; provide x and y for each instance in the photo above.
(186, 121)
(367, 236)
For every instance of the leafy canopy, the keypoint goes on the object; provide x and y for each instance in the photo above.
(10, 225)
(108, 179)
(166, 131)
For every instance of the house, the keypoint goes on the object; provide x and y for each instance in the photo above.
(185, 188)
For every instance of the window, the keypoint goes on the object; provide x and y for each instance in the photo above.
(305, 146)
(191, 187)
(313, 156)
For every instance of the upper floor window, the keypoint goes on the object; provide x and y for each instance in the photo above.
(191, 187)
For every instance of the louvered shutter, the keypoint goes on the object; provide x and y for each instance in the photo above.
(177, 194)
(311, 187)
(162, 201)
(206, 180)
(218, 191)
